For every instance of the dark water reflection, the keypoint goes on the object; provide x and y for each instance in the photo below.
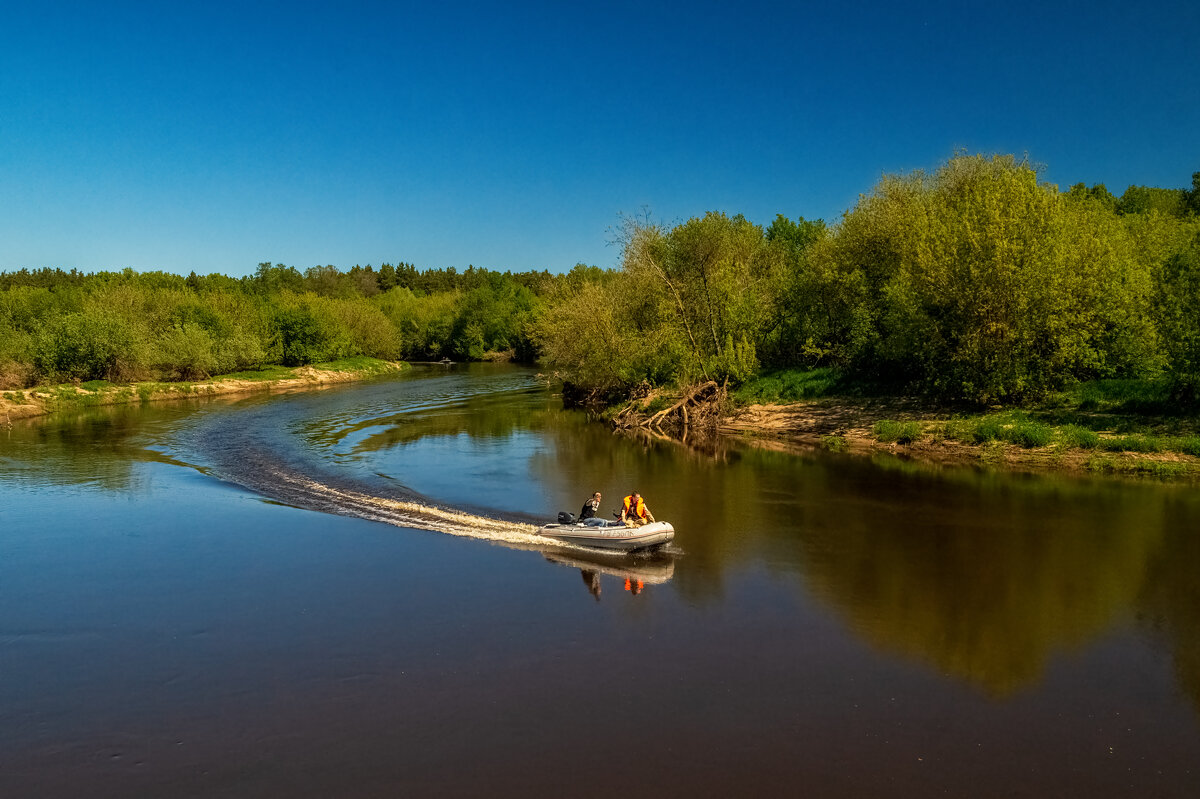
(832, 622)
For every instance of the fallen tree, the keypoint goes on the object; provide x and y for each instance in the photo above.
(699, 408)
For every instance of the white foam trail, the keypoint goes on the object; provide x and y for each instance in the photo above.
(416, 515)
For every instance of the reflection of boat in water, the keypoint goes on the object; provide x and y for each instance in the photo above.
(656, 569)
(613, 535)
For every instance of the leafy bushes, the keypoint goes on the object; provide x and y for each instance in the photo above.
(984, 285)
(305, 337)
(87, 346)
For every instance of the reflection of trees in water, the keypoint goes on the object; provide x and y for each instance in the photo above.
(480, 417)
(94, 448)
(983, 581)
(1171, 599)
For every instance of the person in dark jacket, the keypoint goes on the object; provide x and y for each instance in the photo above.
(591, 507)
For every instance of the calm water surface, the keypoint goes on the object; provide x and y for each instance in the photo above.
(208, 600)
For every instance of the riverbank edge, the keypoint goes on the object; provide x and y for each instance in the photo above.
(848, 426)
(46, 400)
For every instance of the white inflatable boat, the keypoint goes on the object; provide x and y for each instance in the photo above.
(604, 534)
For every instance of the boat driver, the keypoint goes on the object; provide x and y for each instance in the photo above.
(634, 511)
(591, 507)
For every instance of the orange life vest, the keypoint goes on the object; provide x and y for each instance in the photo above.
(638, 512)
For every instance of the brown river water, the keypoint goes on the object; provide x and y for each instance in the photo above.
(335, 594)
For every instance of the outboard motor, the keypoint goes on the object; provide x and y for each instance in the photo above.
(566, 518)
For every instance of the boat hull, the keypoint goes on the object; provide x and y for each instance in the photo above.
(612, 535)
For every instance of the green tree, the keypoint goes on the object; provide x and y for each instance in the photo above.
(1178, 300)
(1146, 199)
(985, 285)
(386, 277)
(716, 278)
(1098, 193)
(302, 337)
(86, 346)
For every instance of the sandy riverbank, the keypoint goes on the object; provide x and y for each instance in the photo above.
(848, 426)
(43, 400)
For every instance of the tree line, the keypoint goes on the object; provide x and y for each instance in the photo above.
(59, 326)
(975, 282)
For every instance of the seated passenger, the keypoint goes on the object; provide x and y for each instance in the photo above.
(634, 511)
(591, 507)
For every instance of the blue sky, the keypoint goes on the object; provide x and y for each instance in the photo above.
(213, 136)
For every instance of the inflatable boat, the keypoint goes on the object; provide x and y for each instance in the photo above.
(604, 534)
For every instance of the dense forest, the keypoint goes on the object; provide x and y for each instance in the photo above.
(977, 282)
(59, 326)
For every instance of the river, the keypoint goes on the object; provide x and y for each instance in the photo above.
(333, 594)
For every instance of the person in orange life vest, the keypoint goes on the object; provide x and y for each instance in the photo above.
(634, 511)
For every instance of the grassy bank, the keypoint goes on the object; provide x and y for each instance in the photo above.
(1106, 426)
(43, 400)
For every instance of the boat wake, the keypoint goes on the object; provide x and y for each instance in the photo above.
(315, 495)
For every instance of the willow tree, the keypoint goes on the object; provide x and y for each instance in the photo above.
(718, 281)
(607, 336)
(985, 285)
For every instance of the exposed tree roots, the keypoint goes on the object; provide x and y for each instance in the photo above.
(698, 410)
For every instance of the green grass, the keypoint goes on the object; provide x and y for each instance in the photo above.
(266, 373)
(1012, 427)
(1120, 396)
(1077, 437)
(1131, 444)
(834, 443)
(789, 385)
(887, 431)
(65, 396)
(1028, 434)
(987, 429)
(361, 365)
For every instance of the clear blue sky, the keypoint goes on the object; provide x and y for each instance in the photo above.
(212, 135)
